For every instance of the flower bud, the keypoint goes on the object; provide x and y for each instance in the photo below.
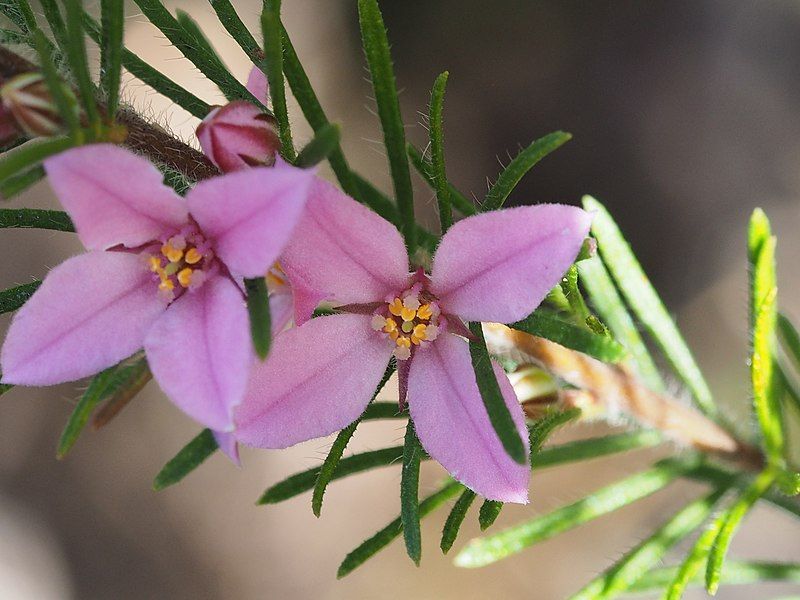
(238, 135)
(28, 99)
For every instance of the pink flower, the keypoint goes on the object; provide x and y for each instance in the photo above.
(161, 272)
(239, 135)
(496, 266)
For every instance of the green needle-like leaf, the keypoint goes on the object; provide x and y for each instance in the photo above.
(455, 519)
(643, 299)
(424, 167)
(12, 298)
(93, 395)
(549, 457)
(78, 62)
(208, 64)
(521, 164)
(152, 77)
(730, 521)
(569, 335)
(328, 468)
(16, 184)
(763, 317)
(733, 573)
(10, 37)
(237, 29)
(325, 141)
(790, 338)
(20, 13)
(379, 60)
(127, 381)
(112, 19)
(35, 219)
(493, 400)
(30, 154)
(188, 459)
(490, 510)
(409, 490)
(196, 36)
(695, 558)
(484, 551)
(386, 535)
(55, 85)
(609, 305)
(569, 285)
(273, 61)
(622, 575)
(260, 319)
(437, 151)
(52, 14)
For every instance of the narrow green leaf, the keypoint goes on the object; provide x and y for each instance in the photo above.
(544, 427)
(187, 460)
(521, 164)
(93, 395)
(624, 573)
(21, 14)
(454, 520)
(196, 36)
(260, 320)
(127, 381)
(152, 77)
(9, 37)
(379, 60)
(112, 20)
(30, 154)
(730, 521)
(237, 29)
(383, 410)
(16, 184)
(209, 65)
(409, 490)
(78, 62)
(273, 61)
(378, 201)
(695, 558)
(35, 218)
(492, 397)
(569, 335)
(55, 85)
(733, 573)
(490, 510)
(549, 457)
(4, 387)
(790, 338)
(385, 536)
(325, 141)
(569, 285)
(425, 168)
(643, 299)
(12, 298)
(484, 551)
(609, 305)
(763, 317)
(328, 468)
(437, 151)
(52, 14)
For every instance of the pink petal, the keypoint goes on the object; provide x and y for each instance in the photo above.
(280, 310)
(453, 426)
(498, 266)
(238, 136)
(114, 196)
(249, 215)
(91, 312)
(257, 84)
(318, 379)
(345, 252)
(201, 354)
(229, 446)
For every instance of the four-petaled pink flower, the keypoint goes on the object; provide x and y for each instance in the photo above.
(161, 272)
(320, 376)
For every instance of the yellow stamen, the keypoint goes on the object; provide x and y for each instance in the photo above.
(394, 334)
(419, 331)
(425, 311)
(193, 256)
(396, 307)
(172, 254)
(403, 341)
(408, 314)
(390, 326)
(185, 277)
(166, 285)
(155, 264)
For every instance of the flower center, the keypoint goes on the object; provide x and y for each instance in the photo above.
(182, 263)
(410, 319)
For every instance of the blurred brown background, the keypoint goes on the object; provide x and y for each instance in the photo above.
(686, 115)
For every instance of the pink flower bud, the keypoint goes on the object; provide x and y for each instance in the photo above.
(28, 99)
(238, 135)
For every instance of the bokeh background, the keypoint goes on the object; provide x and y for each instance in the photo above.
(686, 115)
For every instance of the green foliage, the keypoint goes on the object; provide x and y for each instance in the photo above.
(455, 519)
(16, 184)
(643, 299)
(437, 151)
(733, 573)
(409, 490)
(493, 400)
(30, 154)
(112, 22)
(187, 460)
(238, 31)
(552, 327)
(258, 311)
(35, 218)
(325, 141)
(490, 510)
(425, 168)
(273, 63)
(379, 60)
(522, 163)
(79, 64)
(12, 298)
